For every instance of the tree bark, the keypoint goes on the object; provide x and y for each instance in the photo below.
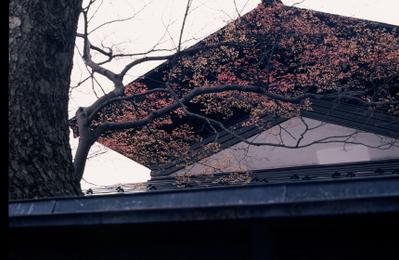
(85, 142)
(41, 44)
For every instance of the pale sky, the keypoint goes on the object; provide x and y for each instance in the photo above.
(147, 28)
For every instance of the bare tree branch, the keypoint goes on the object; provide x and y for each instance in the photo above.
(120, 20)
(121, 98)
(189, 2)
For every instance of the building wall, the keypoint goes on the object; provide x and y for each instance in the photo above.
(352, 146)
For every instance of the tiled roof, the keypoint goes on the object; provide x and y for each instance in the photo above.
(318, 198)
(301, 174)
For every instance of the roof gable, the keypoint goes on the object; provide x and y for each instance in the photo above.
(293, 50)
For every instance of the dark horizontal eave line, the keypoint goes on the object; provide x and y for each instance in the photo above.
(206, 199)
(352, 206)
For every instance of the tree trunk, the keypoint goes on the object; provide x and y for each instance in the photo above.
(41, 44)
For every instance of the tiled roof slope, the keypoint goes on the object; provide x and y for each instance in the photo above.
(302, 174)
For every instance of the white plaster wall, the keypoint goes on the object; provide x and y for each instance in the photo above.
(243, 157)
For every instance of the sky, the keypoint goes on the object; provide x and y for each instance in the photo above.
(157, 23)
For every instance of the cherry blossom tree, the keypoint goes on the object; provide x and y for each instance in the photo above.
(274, 60)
